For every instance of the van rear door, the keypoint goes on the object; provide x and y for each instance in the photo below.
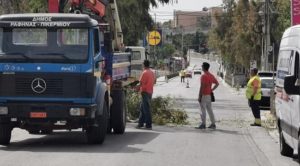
(283, 107)
(294, 102)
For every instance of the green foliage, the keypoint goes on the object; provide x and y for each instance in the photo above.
(282, 20)
(23, 6)
(190, 41)
(235, 37)
(134, 14)
(165, 51)
(133, 104)
(164, 109)
(135, 18)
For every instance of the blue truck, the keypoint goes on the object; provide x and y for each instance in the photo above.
(57, 72)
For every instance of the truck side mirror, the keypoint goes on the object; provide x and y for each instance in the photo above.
(290, 85)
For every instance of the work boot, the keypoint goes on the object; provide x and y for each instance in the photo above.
(202, 126)
(255, 124)
(139, 126)
(212, 126)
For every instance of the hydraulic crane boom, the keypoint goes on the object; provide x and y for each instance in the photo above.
(96, 9)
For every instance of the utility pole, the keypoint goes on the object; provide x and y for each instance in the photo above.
(183, 61)
(267, 42)
(182, 41)
(155, 34)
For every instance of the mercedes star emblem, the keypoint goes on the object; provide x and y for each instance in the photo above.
(38, 85)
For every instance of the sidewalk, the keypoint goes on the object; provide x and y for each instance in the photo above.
(265, 138)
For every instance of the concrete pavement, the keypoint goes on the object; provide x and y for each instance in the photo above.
(232, 111)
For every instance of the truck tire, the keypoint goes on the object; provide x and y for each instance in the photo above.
(96, 134)
(118, 111)
(33, 131)
(5, 134)
(46, 131)
(299, 148)
(285, 149)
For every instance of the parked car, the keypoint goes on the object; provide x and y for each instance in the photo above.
(189, 72)
(266, 74)
(197, 70)
(267, 83)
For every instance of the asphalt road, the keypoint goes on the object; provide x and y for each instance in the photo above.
(233, 143)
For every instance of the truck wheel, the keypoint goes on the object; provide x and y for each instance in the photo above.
(118, 111)
(34, 131)
(5, 134)
(285, 149)
(96, 134)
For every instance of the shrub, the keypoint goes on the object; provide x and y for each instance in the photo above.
(164, 109)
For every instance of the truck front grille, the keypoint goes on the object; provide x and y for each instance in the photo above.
(66, 85)
(54, 86)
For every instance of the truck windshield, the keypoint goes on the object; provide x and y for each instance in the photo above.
(43, 45)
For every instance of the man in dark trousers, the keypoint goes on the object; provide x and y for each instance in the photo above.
(253, 94)
(147, 81)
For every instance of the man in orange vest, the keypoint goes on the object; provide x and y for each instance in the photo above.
(253, 94)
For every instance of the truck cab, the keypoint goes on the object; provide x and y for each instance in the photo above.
(52, 76)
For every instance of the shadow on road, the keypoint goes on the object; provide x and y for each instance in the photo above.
(220, 104)
(76, 142)
(223, 131)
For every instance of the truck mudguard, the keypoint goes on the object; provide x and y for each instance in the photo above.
(101, 89)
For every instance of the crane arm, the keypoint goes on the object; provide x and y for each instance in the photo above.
(97, 9)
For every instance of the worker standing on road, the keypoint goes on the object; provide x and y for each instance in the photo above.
(182, 75)
(204, 98)
(253, 94)
(147, 81)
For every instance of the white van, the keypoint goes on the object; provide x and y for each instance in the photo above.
(137, 59)
(287, 101)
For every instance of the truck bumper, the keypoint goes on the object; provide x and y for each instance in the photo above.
(55, 111)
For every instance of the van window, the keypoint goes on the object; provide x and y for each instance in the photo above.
(29, 36)
(73, 36)
(136, 55)
(284, 63)
(96, 41)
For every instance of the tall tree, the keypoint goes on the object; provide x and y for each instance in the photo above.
(135, 18)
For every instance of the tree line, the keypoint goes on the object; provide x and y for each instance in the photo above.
(238, 34)
(134, 14)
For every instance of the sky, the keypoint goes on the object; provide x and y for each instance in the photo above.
(165, 12)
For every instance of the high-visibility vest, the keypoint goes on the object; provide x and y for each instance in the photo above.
(181, 73)
(249, 90)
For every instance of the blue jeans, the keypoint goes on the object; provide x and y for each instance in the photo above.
(145, 112)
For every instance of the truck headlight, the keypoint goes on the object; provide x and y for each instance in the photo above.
(77, 111)
(3, 110)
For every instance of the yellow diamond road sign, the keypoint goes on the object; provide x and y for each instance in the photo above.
(154, 38)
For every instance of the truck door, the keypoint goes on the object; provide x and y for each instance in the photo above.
(294, 102)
